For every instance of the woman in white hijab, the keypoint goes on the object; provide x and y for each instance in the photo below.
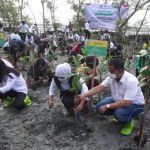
(62, 81)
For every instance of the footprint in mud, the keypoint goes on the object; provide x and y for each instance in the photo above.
(71, 129)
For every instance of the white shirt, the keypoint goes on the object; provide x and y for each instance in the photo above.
(65, 86)
(14, 36)
(6, 44)
(7, 63)
(17, 83)
(87, 26)
(70, 37)
(32, 28)
(55, 43)
(23, 28)
(82, 38)
(1, 29)
(112, 46)
(127, 88)
(29, 41)
(77, 37)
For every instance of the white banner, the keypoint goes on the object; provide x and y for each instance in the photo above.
(104, 16)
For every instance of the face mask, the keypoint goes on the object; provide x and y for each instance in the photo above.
(62, 79)
(111, 75)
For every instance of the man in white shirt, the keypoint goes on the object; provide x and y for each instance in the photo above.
(23, 30)
(12, 36)
(126, 99)
(33, 30)
(87, 30)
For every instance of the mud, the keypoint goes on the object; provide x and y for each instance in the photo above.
(41, 128)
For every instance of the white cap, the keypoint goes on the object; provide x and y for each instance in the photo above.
(62, 70)
(143, 52)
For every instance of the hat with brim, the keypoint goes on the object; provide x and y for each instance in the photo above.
(63, 70)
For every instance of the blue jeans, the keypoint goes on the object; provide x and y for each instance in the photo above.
(124, 114)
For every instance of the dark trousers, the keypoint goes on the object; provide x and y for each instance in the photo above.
(23, 36)
(67, 99)
(19, 98)
(87, 34)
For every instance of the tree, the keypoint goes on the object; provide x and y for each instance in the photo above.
(141, 23)
(135, 6)
(21, 7)
(78, 8)
(43, 9)
(9, 13)
(52, 7)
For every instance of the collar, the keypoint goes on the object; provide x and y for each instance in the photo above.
(123, 78)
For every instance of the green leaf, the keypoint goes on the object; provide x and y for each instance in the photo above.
(145, 71)
(143, 80)
(143, 84)
(75, 83)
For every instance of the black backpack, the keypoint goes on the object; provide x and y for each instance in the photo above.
(75, 86)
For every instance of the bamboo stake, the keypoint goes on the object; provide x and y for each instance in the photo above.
(92, 85)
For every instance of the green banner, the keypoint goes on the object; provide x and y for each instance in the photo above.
(96, 47)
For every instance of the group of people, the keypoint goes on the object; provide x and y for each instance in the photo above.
(75, 86)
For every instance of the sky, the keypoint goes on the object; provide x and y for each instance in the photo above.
(64, 13)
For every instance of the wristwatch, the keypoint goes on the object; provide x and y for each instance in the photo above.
(107, 105)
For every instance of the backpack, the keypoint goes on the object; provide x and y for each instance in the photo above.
(75, 85)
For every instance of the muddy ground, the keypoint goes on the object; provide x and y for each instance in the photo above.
(41, 128)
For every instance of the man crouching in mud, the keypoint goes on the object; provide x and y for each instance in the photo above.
(65, 83)
(127, 99)
(39, 74)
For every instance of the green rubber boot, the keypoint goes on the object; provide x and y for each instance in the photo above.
(27, 101)
(128, 128)
(8, 102)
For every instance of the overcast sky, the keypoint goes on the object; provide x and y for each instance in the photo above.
(64, 13)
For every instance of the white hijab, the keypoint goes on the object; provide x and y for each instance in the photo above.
(62, 70)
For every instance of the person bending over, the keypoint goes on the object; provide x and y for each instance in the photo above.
(13, 87)
(69, 87)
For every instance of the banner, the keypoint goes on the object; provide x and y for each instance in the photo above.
(2, 39)
(96, 48)
(104, 16)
